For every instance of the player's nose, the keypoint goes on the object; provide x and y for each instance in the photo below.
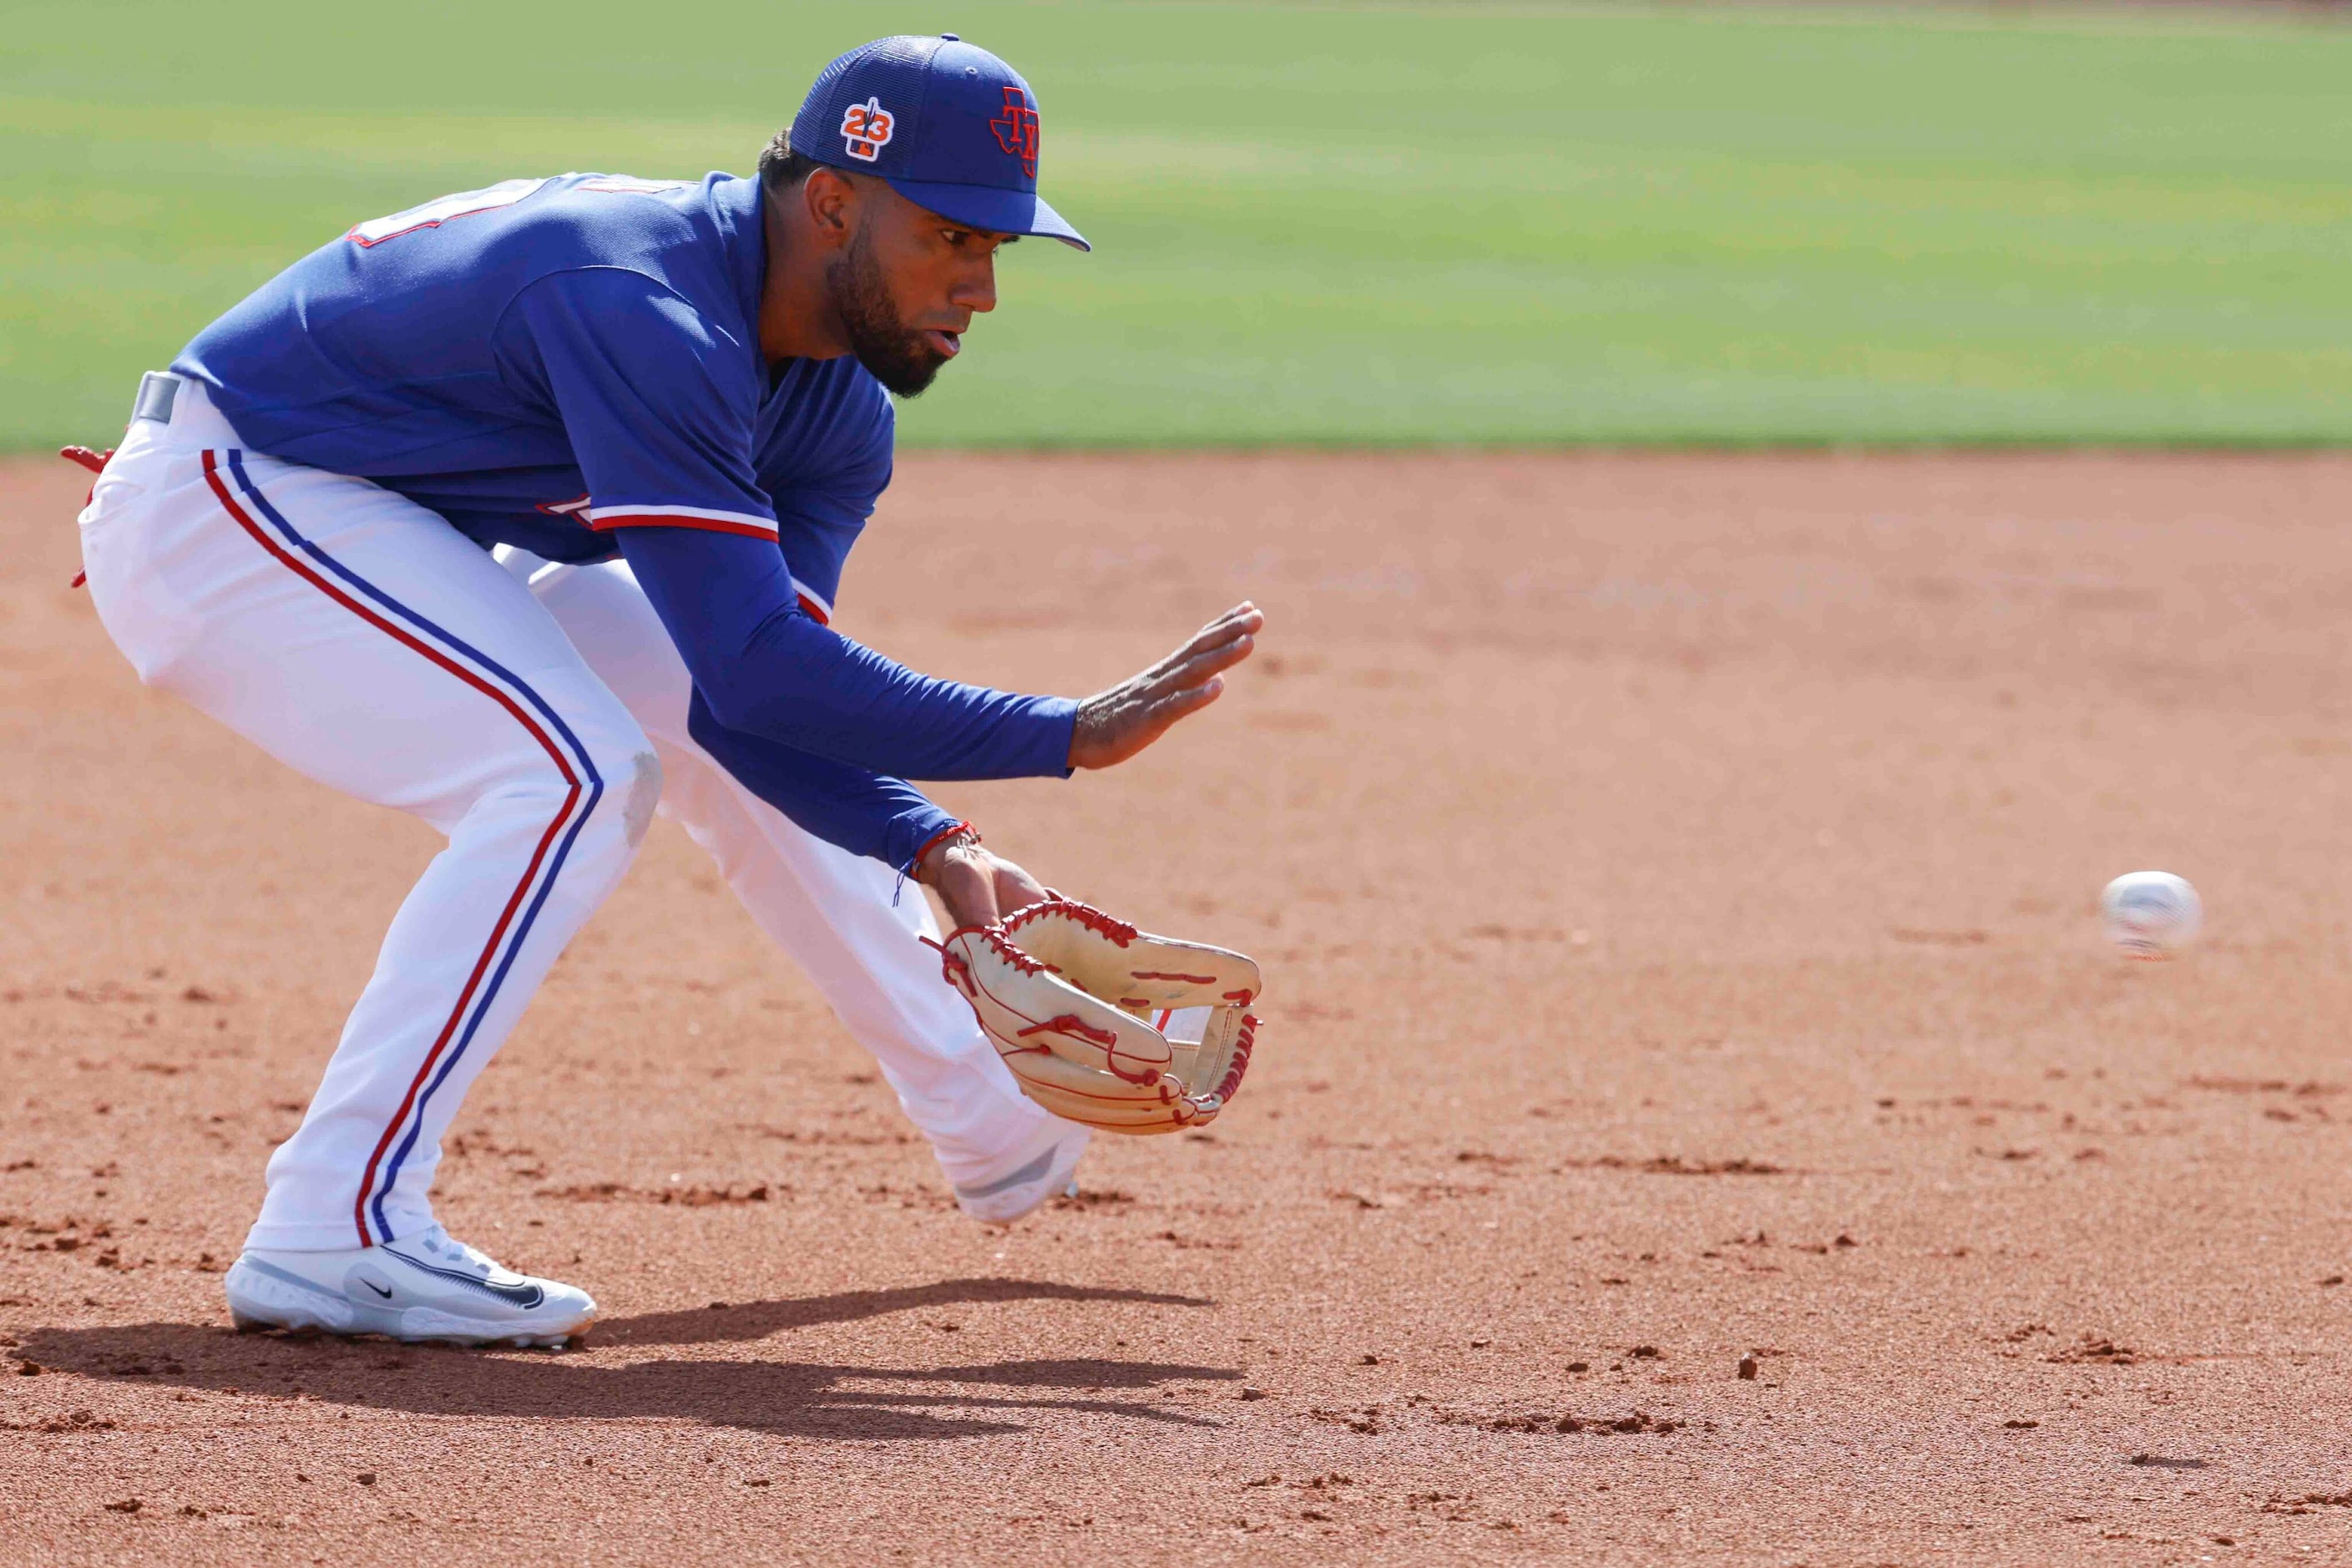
(975, 289)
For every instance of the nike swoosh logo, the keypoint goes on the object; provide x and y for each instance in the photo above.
(525, 1297)
(377, 1289)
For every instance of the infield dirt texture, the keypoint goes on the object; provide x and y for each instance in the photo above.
(1675, 875)
(1675, 880)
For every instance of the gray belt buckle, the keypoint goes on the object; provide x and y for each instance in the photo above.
(157, 390)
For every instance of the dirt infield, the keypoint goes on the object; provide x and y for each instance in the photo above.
(1675, 882)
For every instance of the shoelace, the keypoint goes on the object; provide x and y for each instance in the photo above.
(441, 1244)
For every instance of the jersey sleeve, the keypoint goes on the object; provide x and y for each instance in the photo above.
(657, 401)
(660, 406)
(766, 667)
(882, 818)
(825, 471)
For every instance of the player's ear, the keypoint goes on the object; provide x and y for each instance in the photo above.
(831, 198)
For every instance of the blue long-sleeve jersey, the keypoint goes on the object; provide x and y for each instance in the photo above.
(571, 365)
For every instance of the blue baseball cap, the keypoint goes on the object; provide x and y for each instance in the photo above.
(951, 128)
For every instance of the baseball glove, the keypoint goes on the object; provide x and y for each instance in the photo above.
(1068, 995)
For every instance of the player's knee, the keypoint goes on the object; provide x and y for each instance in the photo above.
(611, 764)
(639, 796)
(630, 780)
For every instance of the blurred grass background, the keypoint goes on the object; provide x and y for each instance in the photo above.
(1320, 222)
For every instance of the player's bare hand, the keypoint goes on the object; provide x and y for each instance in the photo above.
(1114, 725)
(978, 888)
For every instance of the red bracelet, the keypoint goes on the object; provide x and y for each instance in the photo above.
(933, 842)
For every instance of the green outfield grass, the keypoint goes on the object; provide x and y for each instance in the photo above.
(1459, 223)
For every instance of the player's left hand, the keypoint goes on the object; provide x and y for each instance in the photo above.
(978, 888)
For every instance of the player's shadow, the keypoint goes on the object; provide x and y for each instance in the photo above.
(724, 1322)
(787, 1398)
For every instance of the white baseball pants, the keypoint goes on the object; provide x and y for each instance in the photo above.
(362, 641)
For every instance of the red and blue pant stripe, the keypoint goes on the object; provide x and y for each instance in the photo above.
(243, 501)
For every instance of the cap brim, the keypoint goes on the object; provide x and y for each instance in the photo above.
(988, 208)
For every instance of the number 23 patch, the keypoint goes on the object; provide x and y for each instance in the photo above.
(865, 129)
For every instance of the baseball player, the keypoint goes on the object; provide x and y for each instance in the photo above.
(509, 508)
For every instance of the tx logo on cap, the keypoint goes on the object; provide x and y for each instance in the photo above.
(1017, 132)
(865, 128)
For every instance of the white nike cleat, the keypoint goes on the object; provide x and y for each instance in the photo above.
(1045, 1169)
(421, 1287)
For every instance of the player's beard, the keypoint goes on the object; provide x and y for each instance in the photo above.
(895, 352)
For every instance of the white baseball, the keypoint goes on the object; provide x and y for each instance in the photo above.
(2150, 913)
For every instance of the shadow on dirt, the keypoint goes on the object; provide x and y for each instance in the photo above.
(785, 1398)
(725, 1323)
